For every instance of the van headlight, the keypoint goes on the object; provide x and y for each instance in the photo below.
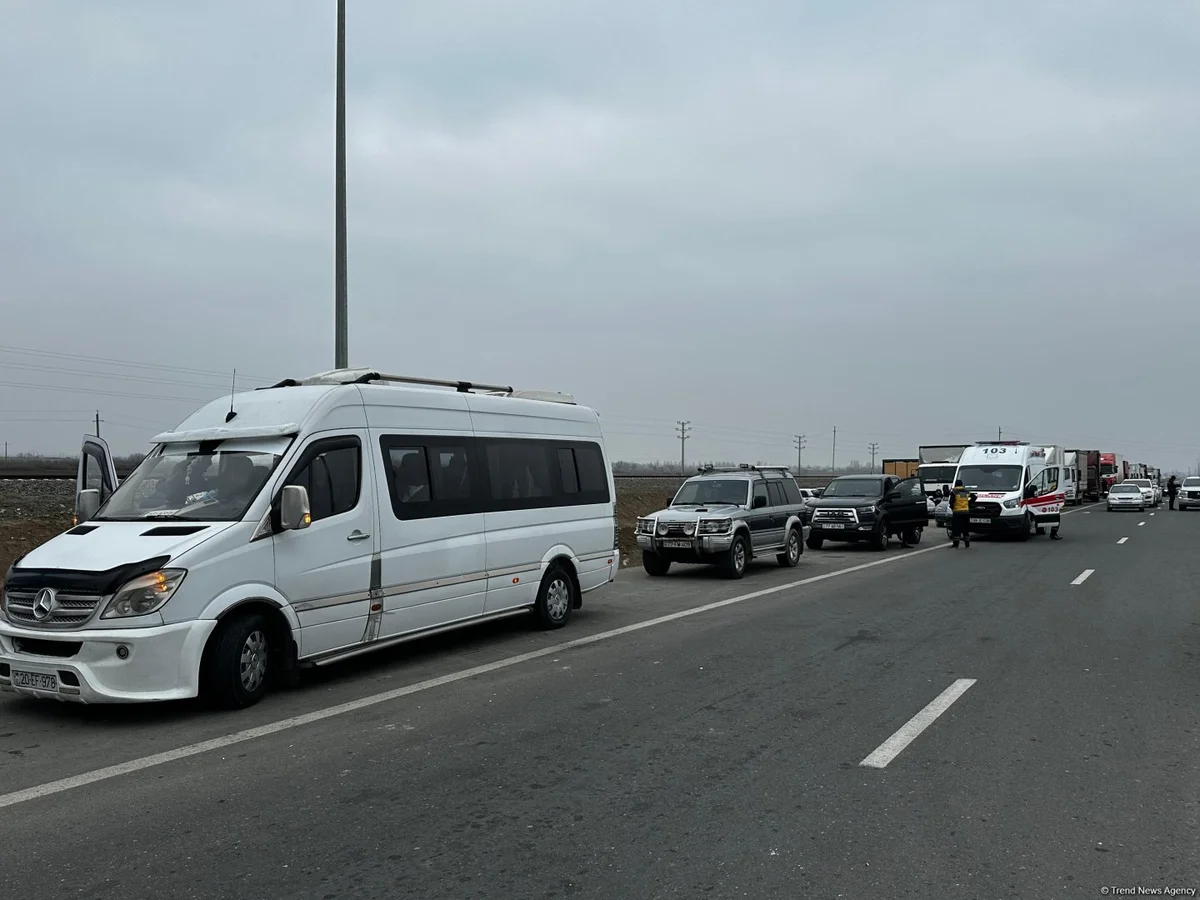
(145, 595)
(1012, 504)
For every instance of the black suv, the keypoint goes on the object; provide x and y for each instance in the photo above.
(872, 508)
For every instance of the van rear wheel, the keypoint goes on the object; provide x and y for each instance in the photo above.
(556, 598)
(236, 670)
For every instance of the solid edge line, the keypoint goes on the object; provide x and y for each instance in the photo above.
(158, 759)
(1084, 576)
(911, 730)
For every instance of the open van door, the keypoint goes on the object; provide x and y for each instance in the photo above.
(96, 478)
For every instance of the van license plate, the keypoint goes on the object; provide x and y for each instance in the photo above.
(834, 525)
(36, 680)
(981, 521)
(677, 545)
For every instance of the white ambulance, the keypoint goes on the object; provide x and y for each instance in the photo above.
(1018, 487)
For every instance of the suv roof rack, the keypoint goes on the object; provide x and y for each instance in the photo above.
(709, 468)
(371, 376)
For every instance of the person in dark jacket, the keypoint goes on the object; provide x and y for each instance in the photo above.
(1172, 491)
(961, 501)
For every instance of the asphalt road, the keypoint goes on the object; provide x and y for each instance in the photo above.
(716, 753)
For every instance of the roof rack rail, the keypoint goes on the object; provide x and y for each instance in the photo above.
(371, 376)
(741, 467)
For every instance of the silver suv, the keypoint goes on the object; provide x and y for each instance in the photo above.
(726, 517)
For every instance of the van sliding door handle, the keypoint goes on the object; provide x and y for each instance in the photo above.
(357, 535)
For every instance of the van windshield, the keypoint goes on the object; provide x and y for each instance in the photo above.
(993, 479)
(194, 482)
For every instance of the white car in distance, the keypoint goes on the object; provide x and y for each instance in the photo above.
(1147, 488)
(1189, 493)
(1127, 495)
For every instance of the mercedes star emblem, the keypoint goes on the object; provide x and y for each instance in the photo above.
(43, 604)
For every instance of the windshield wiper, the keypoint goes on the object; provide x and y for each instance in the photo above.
(166, 515)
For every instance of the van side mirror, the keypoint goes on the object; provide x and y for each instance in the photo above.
(1030, 491)
(86, 505)
(294, 510)
(760, 501)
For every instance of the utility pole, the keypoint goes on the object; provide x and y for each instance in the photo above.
(341, 356)
(683, 430)
(800, 443)
(998, 433)
(97, 423)
(874, 445)
(833, 458)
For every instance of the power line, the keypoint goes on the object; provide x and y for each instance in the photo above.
(85, 390)
(75, 357)
(119, 376)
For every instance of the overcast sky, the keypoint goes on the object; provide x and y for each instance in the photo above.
(917, 222)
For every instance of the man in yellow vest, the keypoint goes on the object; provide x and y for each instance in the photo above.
(960, 513)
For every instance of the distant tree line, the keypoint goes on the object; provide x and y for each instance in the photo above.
(666, 468)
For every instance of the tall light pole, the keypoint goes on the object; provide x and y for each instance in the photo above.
(341, 353)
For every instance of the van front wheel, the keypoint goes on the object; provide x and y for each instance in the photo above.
(236, 670)
(556, 598)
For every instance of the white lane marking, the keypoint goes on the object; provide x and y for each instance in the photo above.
(1140, 524)
(1083, 576)
(1151, 513)
(910, 730)
(158, 759)
(1122, 540)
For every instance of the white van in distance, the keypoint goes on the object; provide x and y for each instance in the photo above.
(1018, 487)
(305, 523)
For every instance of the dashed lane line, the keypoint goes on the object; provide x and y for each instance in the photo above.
(911, 730)
(1084, 576)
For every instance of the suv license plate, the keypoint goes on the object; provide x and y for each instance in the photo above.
(36, 680)
(677, 545)
(981, 521)
(834, 525)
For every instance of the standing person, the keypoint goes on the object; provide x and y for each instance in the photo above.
(960, 513)
(1172, 491)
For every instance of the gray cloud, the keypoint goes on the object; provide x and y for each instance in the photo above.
(913, 221)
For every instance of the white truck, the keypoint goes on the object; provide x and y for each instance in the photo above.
(1018, 487)
(937, 466)
(1074, 478)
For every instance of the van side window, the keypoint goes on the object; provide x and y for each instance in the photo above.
(431, 476)
(409, 471)
(519, 471)
(451, 472)
(570, 474)
(593, 473)
(331, 471)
